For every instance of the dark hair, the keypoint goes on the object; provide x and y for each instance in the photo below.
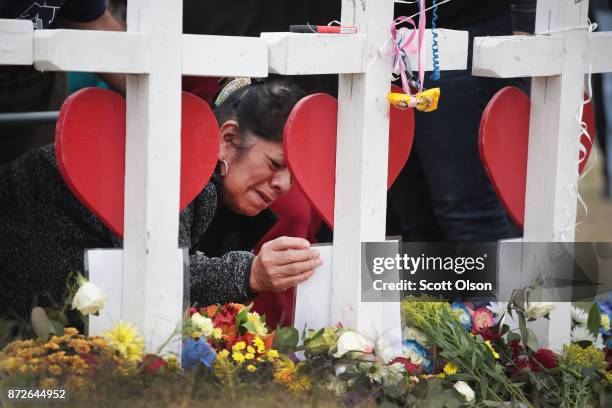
(262, 107)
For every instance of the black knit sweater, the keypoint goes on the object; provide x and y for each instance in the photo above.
(44, 231)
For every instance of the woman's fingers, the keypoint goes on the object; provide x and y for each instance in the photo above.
(290, 256)
(282, 263)
(284, 243)
(295, 280)
(298, 268)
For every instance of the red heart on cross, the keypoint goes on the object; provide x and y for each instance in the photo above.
(90, 150)
(310, 148)
(504, 141)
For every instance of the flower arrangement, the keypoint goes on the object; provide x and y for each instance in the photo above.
(453, 354)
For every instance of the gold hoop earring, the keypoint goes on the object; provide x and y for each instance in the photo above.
(226, 167)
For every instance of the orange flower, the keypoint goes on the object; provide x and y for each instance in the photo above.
(209, 311)
(269, 341)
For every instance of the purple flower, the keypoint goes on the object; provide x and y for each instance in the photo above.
(197, 352)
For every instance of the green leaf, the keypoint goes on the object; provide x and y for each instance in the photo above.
(57, 328)
(523, 329)
(286, 339)
(250, 326)
(40, 323)
(241, 318)
(396, 390)
(59, 316)
(489, 403)
(594, 320)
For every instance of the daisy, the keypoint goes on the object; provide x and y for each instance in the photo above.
(579, 316)
(581, 333)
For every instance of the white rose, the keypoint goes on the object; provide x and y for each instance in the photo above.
(89, 299)
(464, 389)
(204, 324)
(535, 310)
(352, 341)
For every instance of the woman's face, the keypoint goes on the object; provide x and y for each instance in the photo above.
(256, 177)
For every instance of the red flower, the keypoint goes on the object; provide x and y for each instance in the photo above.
(520, 364)
(409, 366)
(153, 363)
(482, 318)
(517, 350)
(221, 319)
(489, 333)
(546, 358)
(193, 311)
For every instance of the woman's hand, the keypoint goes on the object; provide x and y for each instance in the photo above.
(283, 263)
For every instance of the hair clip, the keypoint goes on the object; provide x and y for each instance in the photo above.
(232, 87)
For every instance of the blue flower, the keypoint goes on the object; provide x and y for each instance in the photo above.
(197, 352)
(605, 308)
(417, 354)
(464, 315)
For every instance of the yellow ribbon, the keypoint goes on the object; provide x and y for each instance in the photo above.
(425, 101)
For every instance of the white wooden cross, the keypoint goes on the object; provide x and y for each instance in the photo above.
(155, 54)
(557, 58)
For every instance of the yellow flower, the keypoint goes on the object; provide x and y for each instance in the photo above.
(605, 322)
(442, 376)
(251, 368)
(49, 383)
(79, 366)
(258, 324)
(250, 350)
(238, 357)
(70, 331)
(11, 364)
(495, 353)
(51, 346)
(272, 355)
(261, 347)
(124, 340)
(285, 371)
(217, 333)
(249, 356)
(223, 354)
(75, 382)
(55, 369)
(57, 357)
(241, 345)
(172, 364)
(450, 369)
(588, 357)
(80, 346)
(300, 383)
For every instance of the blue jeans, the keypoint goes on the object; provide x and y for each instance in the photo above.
(443, 193)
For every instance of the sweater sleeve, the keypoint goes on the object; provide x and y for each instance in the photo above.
(222, 279)
(225, 279)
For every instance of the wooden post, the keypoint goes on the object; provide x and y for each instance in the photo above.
(152, 173)
(361, 166)
(554, 137)
(559, 55)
